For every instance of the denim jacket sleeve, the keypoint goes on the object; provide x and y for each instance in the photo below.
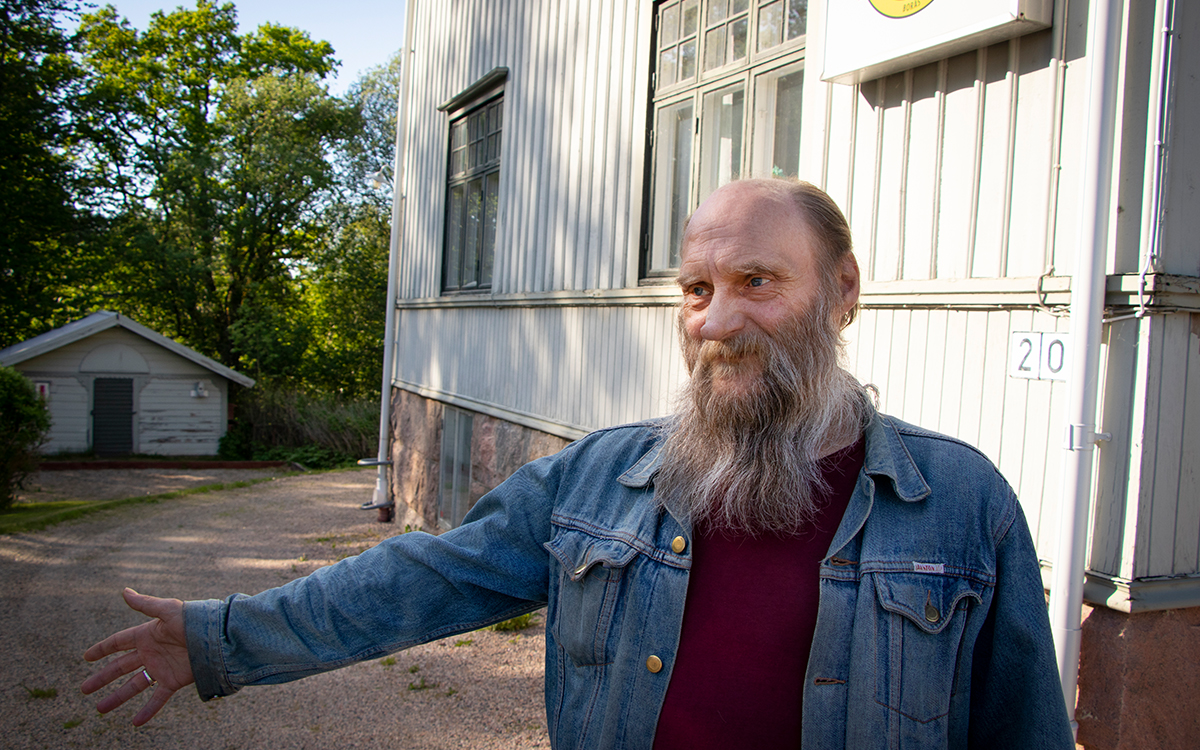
(410, 589)
(1016, 698)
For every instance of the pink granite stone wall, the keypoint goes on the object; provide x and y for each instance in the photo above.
(416, 451)
(1139, 680)
(498, 448)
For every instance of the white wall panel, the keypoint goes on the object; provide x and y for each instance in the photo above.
(946, 370)
(171, 423)
(572, 149)
(69, 409)
(584, 367)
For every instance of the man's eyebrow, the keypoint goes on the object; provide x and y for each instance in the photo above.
(753, 268)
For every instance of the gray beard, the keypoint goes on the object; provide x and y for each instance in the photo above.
(750, 462)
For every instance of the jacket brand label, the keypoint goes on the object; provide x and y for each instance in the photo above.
(921, 567)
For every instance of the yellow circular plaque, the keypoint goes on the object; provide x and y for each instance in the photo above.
(899, 8)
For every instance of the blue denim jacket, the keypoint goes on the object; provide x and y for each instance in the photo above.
(931, 632)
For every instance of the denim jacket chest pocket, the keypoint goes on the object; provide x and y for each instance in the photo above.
(587, 596)
(919, 638)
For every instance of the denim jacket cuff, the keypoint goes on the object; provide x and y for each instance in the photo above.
(202, 624)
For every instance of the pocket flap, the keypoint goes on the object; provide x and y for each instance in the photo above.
(578, 552)
(927, 599)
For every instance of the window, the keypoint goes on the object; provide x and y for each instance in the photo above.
(473, 185)
(454, 487)
(727, 104)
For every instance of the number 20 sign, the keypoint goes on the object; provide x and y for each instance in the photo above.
(1039, 356)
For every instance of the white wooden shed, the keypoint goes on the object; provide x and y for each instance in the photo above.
(116, 387)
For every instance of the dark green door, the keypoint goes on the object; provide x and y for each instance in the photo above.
(112, 416)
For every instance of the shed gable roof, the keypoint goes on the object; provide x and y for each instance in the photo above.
(101, 321)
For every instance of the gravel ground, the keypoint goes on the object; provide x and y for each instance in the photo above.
(61, 593)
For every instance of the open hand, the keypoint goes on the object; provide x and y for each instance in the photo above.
(155, 653)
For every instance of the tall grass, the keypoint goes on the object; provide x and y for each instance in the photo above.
(316, 430)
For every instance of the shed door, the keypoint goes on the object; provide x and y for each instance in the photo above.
(112, 416)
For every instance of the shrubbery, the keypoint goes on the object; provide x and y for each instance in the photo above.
(317, 432)
(24, 422)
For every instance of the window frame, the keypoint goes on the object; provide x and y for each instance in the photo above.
(659, 256)
(485, 97)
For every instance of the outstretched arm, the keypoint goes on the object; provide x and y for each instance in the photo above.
(156, 650)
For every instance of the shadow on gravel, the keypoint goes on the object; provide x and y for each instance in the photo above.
(61, 593)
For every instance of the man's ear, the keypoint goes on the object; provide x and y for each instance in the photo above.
(848, 282)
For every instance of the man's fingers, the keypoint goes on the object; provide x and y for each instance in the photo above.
(122, 641)
(111, 672)
(161, 695)
(152, 606)
(134, 685)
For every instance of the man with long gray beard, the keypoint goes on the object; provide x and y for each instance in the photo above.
(775, 565)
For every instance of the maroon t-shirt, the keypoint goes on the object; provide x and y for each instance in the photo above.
(748, 625)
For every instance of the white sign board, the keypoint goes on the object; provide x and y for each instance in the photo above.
(866, 39)
(1039, 356)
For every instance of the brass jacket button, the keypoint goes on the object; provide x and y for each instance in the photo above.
(678, 545)
(654, 664)
(931, 612)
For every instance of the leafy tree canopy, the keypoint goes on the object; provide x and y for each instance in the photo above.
(37, 219)
(214, 167)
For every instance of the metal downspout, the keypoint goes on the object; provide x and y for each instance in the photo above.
(381, 498)
(1087, 311)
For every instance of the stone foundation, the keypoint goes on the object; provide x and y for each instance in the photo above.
(498, 448)
(1139, 680)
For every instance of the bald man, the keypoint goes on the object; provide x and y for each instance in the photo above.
(775, 564)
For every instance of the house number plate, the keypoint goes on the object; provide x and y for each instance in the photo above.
(1039, 356)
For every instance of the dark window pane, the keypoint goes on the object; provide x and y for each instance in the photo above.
(718, 10)
(770, 25)
(687, 60)
(490, 205)
(668, 31)
(666, 66)
(454, 238)
(740, 6)
(681, 179)
(797, 21)
(472, 232)
(714, 48)
(738, 31)
(691, 17)
(786, 151)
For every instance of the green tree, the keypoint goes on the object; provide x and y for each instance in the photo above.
(24, 423)
(346, 282)
(38, 221)
(215, 173)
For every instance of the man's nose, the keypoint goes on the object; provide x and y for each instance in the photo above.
(723, 317)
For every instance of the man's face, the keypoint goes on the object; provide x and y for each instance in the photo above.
(748, 270)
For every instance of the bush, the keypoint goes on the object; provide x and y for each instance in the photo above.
(24, 422)
(316, 431)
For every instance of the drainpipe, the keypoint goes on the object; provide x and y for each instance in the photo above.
(381, 499)
(1087, 313)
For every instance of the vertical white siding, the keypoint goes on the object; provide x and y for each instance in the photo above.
(573, 142)
(945, 171)
(583, 367)
(69, 421)
(172, 423)
(946, 370)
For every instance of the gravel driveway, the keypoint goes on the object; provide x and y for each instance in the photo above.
(61, 592)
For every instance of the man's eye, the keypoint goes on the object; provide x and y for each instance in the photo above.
(699, 291)
(757, 281)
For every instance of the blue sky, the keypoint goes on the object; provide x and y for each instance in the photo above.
(364, 33)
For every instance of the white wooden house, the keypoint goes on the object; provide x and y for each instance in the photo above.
(548, 151)
(115, 387)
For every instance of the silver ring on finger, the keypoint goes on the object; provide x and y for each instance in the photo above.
(149, 680)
